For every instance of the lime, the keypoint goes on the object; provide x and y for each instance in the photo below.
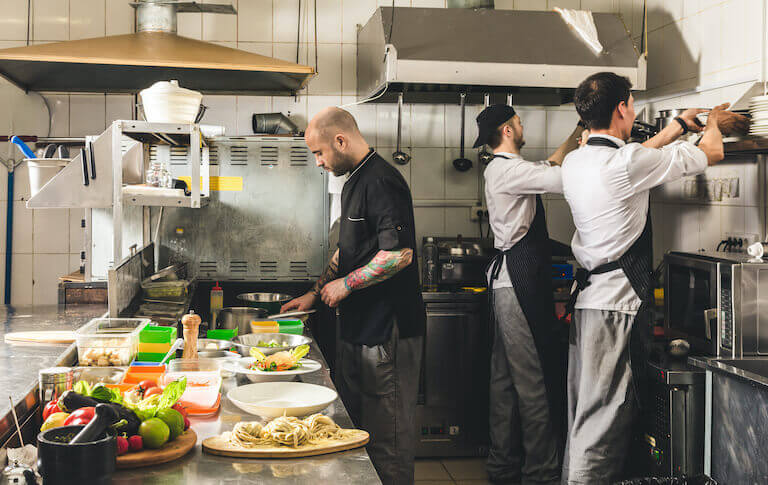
(173, 419)
(154, 432)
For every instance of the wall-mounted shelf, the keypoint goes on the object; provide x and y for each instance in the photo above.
(747, 145)
(111, 175)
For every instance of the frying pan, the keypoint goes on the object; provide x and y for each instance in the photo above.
(462, 164)
(485, 156)
(400, 157)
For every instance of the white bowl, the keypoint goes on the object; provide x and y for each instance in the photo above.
(241, 366)
(273, 399)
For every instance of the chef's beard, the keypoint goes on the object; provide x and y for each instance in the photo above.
(342, 163)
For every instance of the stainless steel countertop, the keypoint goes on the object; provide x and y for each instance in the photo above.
(353, 467)
(753, 369)
(20, 363)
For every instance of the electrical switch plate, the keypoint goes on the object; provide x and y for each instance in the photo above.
(474, 210)
(747, 240)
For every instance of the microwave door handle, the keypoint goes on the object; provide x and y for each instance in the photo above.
(708, 316)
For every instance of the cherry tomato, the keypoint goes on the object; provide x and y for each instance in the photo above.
(147, 384)
(152, 391)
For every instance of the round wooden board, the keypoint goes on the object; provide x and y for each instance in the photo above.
(41, 337)
(217, 445)
(169, 452)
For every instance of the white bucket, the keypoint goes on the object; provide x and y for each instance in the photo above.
(41, 170)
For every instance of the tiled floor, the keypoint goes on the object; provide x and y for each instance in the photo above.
(451, 471)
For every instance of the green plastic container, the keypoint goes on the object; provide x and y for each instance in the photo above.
(154, 334)
(149, 357)
(295, 327)
(222, 333)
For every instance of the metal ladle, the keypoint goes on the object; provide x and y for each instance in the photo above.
(462, 164)
(400, 157)
(485, 156)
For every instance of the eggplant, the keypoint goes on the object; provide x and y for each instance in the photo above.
(71, 401)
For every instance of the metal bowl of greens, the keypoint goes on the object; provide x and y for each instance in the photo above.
(268, 343)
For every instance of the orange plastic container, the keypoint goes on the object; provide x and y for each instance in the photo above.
(138, 373)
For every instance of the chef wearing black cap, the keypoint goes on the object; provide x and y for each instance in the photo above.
(527, 388)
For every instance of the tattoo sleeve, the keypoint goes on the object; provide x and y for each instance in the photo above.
(329, 274)
(383, 266)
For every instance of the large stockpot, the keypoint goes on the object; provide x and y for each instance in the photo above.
(271, 302)
(239, 318)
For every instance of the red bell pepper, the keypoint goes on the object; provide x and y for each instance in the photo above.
(50, 408)
(81, 416)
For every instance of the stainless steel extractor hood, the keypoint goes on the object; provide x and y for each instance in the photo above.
(132, 62)
(433, 53)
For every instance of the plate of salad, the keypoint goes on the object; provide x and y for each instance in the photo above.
(281, 366)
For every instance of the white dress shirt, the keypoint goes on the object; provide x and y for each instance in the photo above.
(607, 190)
(511, 186)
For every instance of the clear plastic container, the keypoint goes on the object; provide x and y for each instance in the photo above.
(107, 342)
(166, 290)
(203, 382)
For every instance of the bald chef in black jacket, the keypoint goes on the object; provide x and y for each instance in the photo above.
(373, 279)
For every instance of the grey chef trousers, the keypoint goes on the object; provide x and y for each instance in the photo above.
(379, 385)
(523, 444)
(601, 398)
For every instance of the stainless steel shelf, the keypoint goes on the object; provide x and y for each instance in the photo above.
(164, 201)
(749, 144)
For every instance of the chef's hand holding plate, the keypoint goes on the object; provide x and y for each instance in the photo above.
(689, 116)
(303, 303)
(333, 292)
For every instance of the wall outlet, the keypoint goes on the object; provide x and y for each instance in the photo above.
(476, 212)
(746, 239)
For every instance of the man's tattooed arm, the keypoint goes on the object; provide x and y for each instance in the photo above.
(329, 274)
(383, 266)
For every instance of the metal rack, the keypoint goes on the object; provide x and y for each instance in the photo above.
(101, 176)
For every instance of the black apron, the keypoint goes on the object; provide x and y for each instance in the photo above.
(529, 264)
(636, 263)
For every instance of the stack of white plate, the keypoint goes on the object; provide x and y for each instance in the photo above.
(758, 109)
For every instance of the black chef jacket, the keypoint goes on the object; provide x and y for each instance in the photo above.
(377, 214)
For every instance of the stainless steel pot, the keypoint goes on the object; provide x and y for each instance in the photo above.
(239, 318)
(666, 116)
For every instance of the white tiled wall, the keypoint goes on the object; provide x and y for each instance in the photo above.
(702, 53)
(46, 243)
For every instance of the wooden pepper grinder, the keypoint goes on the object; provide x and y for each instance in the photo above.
(191, 323)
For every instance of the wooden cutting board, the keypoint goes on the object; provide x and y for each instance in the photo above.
(169, 452)
(217, 445)
(42, 337)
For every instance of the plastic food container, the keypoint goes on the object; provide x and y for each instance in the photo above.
(203, 383)
(166, 290)
(107, 342)
(155, 342)
(137, 373)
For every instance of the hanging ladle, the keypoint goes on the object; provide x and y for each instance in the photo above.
(485, 156)
(400, 157)
(462, 164)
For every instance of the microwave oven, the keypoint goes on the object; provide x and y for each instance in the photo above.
(719, 303)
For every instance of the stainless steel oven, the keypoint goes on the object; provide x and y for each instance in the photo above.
(718, 303)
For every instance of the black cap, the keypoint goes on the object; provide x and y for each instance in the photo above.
(489, 120)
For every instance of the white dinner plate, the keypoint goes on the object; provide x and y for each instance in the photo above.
(273, 399)
(241, 366)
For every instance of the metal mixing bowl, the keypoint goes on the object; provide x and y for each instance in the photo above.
(285, 341)
(268, 301)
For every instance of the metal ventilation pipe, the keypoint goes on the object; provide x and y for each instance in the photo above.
(470, 4)
(156, 17)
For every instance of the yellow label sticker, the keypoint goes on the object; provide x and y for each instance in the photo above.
(229, 184)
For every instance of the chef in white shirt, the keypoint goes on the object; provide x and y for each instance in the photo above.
(527, 390)
(607, 184)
